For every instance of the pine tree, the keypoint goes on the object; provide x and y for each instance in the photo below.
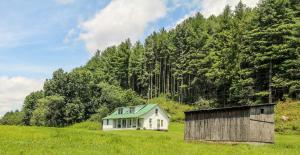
(269, 42)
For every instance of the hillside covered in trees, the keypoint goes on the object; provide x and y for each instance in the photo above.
(243, 56)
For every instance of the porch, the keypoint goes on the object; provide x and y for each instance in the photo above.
(128, 123)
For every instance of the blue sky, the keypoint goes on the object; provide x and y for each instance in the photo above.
(34, 32)
(38, 37)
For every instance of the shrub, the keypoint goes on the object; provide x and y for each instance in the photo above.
(204, 103)
(101, 112)
(12, 118)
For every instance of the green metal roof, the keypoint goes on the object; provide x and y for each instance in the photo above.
(139, 111)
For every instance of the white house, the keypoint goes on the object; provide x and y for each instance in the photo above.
(144, 117)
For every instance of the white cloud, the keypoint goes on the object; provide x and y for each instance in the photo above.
(71, 34)
(13, 91)
(119, 20)
(208, 7)
(216, 7)
(65, 2)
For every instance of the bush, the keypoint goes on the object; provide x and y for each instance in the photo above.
(114, 96)
(204, 103)
(49, 112)
(295, 127)
(12, 118)
(101, 113)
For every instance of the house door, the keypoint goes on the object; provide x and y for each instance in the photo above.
(158, 124)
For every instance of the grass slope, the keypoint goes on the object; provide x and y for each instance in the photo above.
(173, 108)
(291, 110)
(42, 140)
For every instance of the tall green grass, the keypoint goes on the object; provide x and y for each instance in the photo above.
(174, 109)
(290, 109)
(89, 125)
(41, 140)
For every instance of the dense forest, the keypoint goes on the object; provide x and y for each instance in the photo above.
(243, 56)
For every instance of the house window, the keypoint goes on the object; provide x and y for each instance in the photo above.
(262, 111)
(120, 111)
(140, 121)
(158, 123)
(129, 122)
(156, 112)
(131, 110)
(161, 123)
(119, 123)
(107, 122)
(150, 122)
(134, 123)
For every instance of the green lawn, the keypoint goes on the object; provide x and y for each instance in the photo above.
(74, 140)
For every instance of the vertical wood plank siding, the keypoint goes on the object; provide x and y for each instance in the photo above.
(264, 122)
(246, 124)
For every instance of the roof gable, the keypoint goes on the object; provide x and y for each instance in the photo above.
(139, 110)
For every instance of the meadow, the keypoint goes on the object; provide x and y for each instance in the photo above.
(87, 139)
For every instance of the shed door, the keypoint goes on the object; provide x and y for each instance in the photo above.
(158, 123)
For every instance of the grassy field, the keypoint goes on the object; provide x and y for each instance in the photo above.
(87, 138)
(79, 140)
(291, 110)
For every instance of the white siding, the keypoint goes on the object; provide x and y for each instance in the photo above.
(160, 116)
(105, 126)
(113, 124)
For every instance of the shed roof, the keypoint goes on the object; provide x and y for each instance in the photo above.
(229, 108)
(139, 111)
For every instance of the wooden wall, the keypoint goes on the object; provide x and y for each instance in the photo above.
(237, 125)
(227, 125)
(262, 124)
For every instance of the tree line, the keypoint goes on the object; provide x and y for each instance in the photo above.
(242, 56)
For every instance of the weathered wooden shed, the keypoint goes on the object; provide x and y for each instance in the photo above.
(232, 124)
